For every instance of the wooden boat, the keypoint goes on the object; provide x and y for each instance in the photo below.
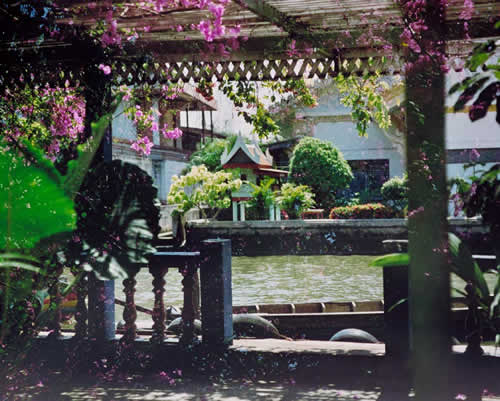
(321, 320)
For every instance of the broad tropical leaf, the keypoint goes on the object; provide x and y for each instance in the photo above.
(464, 266)
(118, 219)
(32, 202)
(393, 259)
(15, 260)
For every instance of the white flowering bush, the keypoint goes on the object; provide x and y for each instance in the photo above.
(210, 192)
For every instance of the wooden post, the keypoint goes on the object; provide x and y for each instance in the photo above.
(101, 294)
(216, 295)
(101, 309)
(396, 322)
(429, 280)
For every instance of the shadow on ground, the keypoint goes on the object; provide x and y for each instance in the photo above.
(231, 391)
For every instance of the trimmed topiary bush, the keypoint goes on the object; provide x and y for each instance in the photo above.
(322, 167)
(368, 211)
(395, 193)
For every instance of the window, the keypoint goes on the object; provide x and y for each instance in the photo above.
(369, 175)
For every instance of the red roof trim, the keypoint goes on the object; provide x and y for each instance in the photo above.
(245, 165)
(240, 199)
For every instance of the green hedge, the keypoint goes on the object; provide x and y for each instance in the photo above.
(367, 211)
(322, 167)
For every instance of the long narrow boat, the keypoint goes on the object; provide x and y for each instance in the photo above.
(321, 320)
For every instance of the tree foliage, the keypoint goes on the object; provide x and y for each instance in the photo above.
(295, 199)
(209, 192)
(262, 198)
(363, 95)
(209, 154)
(321, 166)
(483, 86)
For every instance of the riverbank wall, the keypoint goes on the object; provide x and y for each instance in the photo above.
(323, 237)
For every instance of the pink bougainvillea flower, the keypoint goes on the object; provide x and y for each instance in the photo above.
(106, 69)
(142, 145)
(468, 10)
(172, 134)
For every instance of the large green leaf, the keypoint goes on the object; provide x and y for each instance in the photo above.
(32, 202)
(464, 266)
(118, 219)
(480, 55)
(495, 304)
(393, 259)
(15, 260)
(77, 169)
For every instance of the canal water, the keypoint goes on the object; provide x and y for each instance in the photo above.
(280, 279)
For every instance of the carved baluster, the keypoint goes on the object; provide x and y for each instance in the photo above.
(54, 325)
(159, 314)
(188, 311)
(130, 312)
(81, 328)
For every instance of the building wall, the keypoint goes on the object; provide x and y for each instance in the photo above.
(374, 146)
(165, 160)
(331, 121)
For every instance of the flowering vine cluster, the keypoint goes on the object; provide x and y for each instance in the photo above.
(146, 119)
(51, 118)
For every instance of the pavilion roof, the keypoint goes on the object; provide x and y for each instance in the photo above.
(246, 154)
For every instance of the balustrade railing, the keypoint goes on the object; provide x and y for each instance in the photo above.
(213, 260)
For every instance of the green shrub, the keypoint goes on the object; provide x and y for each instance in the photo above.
(396, 188)
(368, 211)
(262, 198)
(321, 166)
(395, 193)
(294, 199)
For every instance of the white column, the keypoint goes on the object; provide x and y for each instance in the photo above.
(235, 211)
(271, 212)
(242, 211)
(277, 211)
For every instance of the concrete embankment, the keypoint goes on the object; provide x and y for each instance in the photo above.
(323, 237)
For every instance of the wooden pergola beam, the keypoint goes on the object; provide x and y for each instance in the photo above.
(274, 16)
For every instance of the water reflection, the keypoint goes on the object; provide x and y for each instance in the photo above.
(287, 279)
(283, 279)
(279, 279)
